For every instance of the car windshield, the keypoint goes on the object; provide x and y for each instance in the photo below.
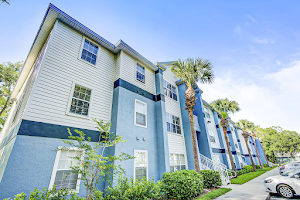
(292, 172)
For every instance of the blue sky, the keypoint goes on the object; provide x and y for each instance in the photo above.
(254, 45)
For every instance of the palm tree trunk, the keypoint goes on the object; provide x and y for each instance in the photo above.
(5, 106)
(253, 165)
(194, 142)
(228, 147)
(190, 102)
(257, 154)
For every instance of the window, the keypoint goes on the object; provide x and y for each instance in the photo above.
(211, 136)
(62, 175)
(206, 113)
(140, 164)
(170, 90)
(140, 73)
(80, 102)
(177, 162)
(140, 113)
(89, 52)
(173, 124)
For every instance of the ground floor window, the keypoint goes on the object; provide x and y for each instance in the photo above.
(177, 162)
(63, 175)
(140, 164)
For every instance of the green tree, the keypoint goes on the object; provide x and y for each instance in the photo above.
(246, 125)
(9, 73)
(94, 166)
(225, 107)
(288, 142)
(191, 71)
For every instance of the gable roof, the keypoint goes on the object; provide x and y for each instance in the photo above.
(52, 14)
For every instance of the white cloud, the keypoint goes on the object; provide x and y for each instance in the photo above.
(273, 104)
(263, 41)
(250, 18)
(278, 62)
(237, 29)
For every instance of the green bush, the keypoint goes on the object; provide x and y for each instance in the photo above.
(184, 184)
(257, 166)
(211, 178)
(46, 194)
(265, 165)
(243, 171)
(248, 168)
(138, 190)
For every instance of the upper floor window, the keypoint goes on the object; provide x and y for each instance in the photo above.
(206, 113)
(173, 124)
(140, 164)
(140, 73)
(170, 90)
(140, 113)
(177, 162)
(63, 176)
(236, 144)
(211, 136)
(89, 52)
(80, 102)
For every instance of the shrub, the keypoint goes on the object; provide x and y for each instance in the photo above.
(257, 166)
(138, 190)
(184, 184)
(265, 165)
(46, 194)
(243, 171)
(211, 178)
(248, 168)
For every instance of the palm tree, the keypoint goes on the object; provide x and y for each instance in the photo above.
(246, 125)
(191, 71)
(225, 107)
(254, 139)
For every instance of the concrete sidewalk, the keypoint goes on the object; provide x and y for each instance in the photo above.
(253, 189)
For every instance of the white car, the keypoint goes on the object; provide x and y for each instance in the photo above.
(288, 167)
(286, 185)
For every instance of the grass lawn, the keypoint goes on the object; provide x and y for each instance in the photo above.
(214, 194)
(247, 177)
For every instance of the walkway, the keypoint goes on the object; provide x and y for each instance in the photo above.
(253, 189)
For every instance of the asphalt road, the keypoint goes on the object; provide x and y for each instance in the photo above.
(253, 189)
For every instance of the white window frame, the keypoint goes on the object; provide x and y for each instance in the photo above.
(81, 48)
(136, 64)
(70, 101)
(185, 160)
(55, 166)
(136, 100)
(176, 91)
(143, 151)
(212, 134)
(180, 125)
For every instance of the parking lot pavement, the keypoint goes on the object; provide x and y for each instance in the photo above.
(253, 189)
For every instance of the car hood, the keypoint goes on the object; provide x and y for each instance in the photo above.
(277, 177)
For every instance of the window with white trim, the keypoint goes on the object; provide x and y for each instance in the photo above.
(140, 113)
(140, 73)
(236, 144)
(140, 164)
(80, 102)
(89, 52)
(206, 113)
(63, 176)
(211, 136)
(170, 90)
(173, 124)
(177, 162)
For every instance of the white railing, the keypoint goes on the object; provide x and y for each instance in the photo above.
(225, 174)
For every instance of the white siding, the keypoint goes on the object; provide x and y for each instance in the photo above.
(62, 67)
(176, 142)
(242, 141)
(128, 73)
(212, 126)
